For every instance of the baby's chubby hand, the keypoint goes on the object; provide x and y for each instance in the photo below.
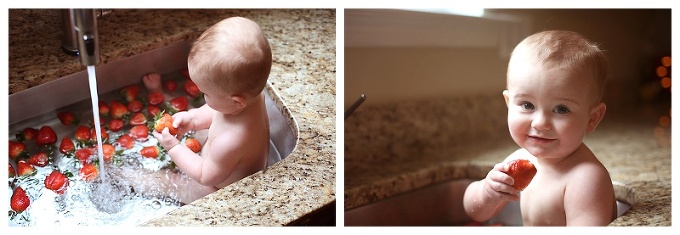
(498, 184)
(182, 122)
(165, 139)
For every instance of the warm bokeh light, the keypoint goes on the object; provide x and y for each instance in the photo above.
(666, 82)
(661, 71)
(665, 121)
(666, 61)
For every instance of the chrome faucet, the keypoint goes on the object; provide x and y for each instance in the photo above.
(80, 34)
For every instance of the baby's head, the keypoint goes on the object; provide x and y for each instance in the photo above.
(562, 50)
(231, 58)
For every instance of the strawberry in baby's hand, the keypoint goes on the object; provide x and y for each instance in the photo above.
(523, 171)
(162, 121)
(20, 200)
(56, 182)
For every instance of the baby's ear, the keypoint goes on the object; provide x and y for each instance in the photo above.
(239, 101)
(506, 96)
(596, 115)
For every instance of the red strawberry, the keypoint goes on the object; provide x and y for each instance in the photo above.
(126, 141)
(82, 134)
(56, 182)
(39, 159)
(108, 151)
(139, 132)
(179, 103)
(20, 200)
(27, 134)
(185, 73)
(135, 106)
(191, 89)
(153, 110)
(130, 93)
(24, 168)
(17, 150)
(523, 171)
(155, 98)
(93, 134)
(84, 154)
(104, 109)
(150, 151)
(11, 172)
(88, 172)
(138, 119)
(118, 109)
(165, 120)
(46, 136)
(170, 85)
(67, 118)
(116, 124)
(66, 146)
(193, 144)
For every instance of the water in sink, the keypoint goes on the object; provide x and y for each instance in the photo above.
(96, 204)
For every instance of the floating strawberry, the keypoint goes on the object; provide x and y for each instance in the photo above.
(155, 98)
(67, 118)
(118, 109)
(11, 172)
(39, 159)
(170, 85)
(24, 168)
(116, 124)
(163, 121)
(93, 134)
(150, 152)
(193, 144)
(523, 171)
(20, 200)
(84, 154)
(130, 92)
(125, 141)
(177, 104)
(88, 172)
(153, 110)
(139, 132)
(108, 151)
(191, 89)
(46, 136)
(67, 146)
(17, 150)
(138, 119)
(27, 134)
(82, 134)
(57, 182)
(104, 109)
(135, 106)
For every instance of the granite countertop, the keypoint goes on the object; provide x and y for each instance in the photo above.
(291, 191)
(394, 148)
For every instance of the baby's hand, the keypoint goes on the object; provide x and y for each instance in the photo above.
(165, 139)
(152, 82)
(182, 122)
(498, 184)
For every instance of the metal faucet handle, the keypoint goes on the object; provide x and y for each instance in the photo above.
(85, 25)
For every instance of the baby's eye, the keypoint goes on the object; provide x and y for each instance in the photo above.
(561, 109)
(526, 105)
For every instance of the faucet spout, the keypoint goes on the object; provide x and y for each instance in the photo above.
(85, 25)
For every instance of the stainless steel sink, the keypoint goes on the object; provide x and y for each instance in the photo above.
(442, 205)
(39, 105)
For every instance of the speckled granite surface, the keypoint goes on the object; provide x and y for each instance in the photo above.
(391, 149)
(303, 75)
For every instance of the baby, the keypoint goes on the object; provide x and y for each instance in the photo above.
(230, 63)
(555, 83)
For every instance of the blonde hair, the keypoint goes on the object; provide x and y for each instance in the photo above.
(234, 56)
(565, 50)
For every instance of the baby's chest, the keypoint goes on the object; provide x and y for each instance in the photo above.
(542, 204)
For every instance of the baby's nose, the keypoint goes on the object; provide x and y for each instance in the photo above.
(541, 122)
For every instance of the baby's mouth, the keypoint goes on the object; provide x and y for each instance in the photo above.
(539, 139)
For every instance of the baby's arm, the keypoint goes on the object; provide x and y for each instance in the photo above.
(483, 199)
(589, 198)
